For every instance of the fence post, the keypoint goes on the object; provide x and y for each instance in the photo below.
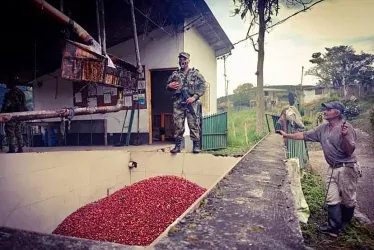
(245, 131)
(233, 129)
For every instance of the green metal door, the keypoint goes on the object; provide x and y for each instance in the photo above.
(214, 131)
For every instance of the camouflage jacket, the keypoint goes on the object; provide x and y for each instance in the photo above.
(193, 81)
(14, 101)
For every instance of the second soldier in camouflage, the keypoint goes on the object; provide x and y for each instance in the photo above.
(193, 81)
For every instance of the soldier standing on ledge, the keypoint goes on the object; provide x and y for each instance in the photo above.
(193, 81)
(14, 101)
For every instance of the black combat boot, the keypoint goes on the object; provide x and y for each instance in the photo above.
(334, 214)
(177, 148)
(196, 147)
(347, 215)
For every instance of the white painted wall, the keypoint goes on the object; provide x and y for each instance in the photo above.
(203, 58)
(310, 95)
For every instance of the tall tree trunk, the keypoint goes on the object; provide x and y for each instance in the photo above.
(260, 112)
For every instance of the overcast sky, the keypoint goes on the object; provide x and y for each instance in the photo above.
(290, 45)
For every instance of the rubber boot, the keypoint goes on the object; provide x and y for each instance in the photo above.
(196, 147)
(347, 216)
(334, 213)
(177, 148)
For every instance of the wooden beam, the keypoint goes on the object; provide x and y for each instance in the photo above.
(149, 106)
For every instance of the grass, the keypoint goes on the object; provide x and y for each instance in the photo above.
(357, 236)
(237, 142)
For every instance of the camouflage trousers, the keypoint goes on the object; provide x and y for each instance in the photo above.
(13, 131)
(180, 112)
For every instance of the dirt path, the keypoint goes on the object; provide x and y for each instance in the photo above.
(365, 155)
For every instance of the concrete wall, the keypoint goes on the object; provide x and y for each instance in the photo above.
(203, 58)
(38, 191)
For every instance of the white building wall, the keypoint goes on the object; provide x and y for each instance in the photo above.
(310, 95)
(203, 58)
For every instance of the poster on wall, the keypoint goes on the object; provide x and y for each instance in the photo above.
(141, 84)
(141, 98)
(128, 101)
(92, 102)
(107, 98)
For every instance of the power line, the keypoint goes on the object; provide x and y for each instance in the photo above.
(281, 21)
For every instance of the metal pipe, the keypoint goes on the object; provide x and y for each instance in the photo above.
(103, 42)
(65, 112)
(136, 43)
(98, 22)
(62, 18)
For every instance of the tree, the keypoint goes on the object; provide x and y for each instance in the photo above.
(340, 65)
(245, 88)
(243, 94)
(261, 13)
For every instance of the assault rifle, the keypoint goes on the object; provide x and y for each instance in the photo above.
(185, 96)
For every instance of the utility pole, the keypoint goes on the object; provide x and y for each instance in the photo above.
(301, 88)
(302, 76)
(224, 57)
(226, 83)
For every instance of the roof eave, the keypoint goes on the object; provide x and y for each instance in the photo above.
(217, 39)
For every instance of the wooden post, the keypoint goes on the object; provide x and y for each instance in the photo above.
(245, 131)
(105, 132)
(233, 129)
(162, 126)
(149, 107)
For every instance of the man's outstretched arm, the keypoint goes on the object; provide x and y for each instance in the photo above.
(295, 136)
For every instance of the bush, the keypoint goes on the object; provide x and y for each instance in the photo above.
(307, 121)
(334, 97)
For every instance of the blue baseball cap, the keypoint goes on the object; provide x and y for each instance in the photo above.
(334, 105)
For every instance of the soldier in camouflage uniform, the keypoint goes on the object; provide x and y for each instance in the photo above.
(193, 81)
(14, 101)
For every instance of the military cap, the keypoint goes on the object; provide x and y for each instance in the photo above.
(184, 54)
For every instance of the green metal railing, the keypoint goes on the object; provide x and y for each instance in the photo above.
(214, 131)
(295, 148)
